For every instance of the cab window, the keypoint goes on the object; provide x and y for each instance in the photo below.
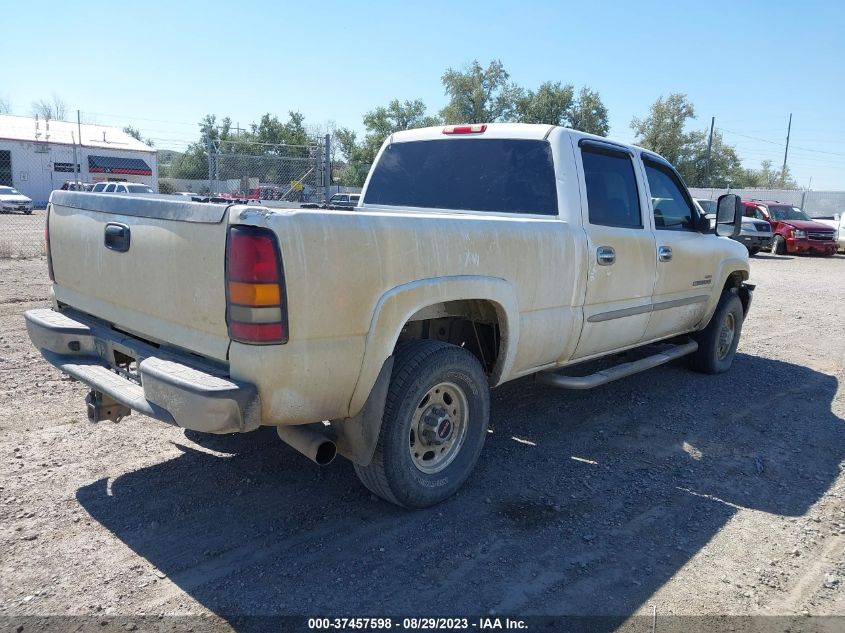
(672, 207)
(612, 196)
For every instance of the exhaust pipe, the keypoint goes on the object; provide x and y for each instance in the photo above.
(315, 446)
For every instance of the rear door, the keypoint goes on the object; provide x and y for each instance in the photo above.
(151, 267)
(622, 268)
(686, 258)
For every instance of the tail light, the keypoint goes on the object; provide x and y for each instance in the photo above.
(465, 129)
(256, 302)
(47, 245)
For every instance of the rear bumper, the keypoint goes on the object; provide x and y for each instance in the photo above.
(794, 245)
(167, 385)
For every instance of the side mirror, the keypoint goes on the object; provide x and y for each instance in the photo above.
(729, 215)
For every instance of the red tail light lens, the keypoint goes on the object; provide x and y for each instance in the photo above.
(256, 303)
(465, 129)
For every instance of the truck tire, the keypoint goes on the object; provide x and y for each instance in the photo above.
(718, 341)
(778, 245)
(433, 428)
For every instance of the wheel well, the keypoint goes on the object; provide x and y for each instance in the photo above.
(469, 323)
(734, 283)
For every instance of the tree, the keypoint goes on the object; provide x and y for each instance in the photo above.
(380, 123)
(479, 95)
(52, 109)
(136, 134)
(663, 131)
(551, 104)
(725, 166)
(589, 113)
(767, 177)
(5, 106)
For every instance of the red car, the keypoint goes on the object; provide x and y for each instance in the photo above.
(794, 231)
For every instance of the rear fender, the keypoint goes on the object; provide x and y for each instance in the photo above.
(396, 306)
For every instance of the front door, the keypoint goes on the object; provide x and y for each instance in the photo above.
(622, 266)
(686, 258)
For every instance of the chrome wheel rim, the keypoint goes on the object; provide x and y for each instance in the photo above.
(438, 428)
(726, 335)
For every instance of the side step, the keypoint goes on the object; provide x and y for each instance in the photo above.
(615, 373)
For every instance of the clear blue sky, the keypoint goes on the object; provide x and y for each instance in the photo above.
(162, 66)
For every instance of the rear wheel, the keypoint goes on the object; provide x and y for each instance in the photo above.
(717, 342)
(778, 245)
(433, 428)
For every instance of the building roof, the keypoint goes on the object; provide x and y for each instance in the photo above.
(21, 128)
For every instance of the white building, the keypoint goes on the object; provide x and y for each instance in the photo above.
(37, 156)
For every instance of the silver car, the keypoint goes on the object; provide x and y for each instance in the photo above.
(756, 234)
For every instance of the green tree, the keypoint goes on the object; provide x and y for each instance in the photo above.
(479, 95)
(589, 113)
(380, 123)
(551, 103)
(664, 131)
(767, 177)
(725, 166)
(136, 134)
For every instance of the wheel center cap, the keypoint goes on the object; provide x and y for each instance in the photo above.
(444, 429)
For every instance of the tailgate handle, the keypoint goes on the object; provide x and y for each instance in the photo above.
(117, 237)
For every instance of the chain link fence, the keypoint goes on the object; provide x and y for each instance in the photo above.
(816, 204)
(32, 168)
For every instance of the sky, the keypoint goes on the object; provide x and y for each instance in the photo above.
(161, 66)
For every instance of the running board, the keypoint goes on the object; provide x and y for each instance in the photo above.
(615, 373)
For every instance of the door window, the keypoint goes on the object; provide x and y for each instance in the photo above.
(612, 196)
(673, 209)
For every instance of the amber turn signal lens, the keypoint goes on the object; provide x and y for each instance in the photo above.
(254, 294)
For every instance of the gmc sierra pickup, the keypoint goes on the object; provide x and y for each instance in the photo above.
(478, 254)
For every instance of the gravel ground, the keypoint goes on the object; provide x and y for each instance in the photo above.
(22, 235)
(667, 492)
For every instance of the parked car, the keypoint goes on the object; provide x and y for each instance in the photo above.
(122, 187)
(474, 258)
(345, 200)
(77, 186)
(837, 223)
(793, 230)
(13, 200)
(756, 235)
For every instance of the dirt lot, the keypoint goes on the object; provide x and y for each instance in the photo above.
(669, 490)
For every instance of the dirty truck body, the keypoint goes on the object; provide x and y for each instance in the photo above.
(390, 321)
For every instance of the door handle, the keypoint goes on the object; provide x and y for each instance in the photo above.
(605, 255)
(664, 253)
(116, 237)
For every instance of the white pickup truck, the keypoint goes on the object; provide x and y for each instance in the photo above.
(478, 254)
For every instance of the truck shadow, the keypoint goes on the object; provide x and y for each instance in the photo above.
(583, 503)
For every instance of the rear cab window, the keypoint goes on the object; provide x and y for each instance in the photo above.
(463, 174)
(611, 183)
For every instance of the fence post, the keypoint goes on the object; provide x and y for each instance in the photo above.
(210, 151)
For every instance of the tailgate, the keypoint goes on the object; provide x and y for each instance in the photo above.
(167, 287)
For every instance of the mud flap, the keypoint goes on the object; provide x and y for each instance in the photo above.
(356, 437)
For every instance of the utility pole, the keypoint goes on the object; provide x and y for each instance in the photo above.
(709, 149)
(786, 151)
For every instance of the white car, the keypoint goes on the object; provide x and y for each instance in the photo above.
(837, 222)
(13, 200)
(122, 187)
